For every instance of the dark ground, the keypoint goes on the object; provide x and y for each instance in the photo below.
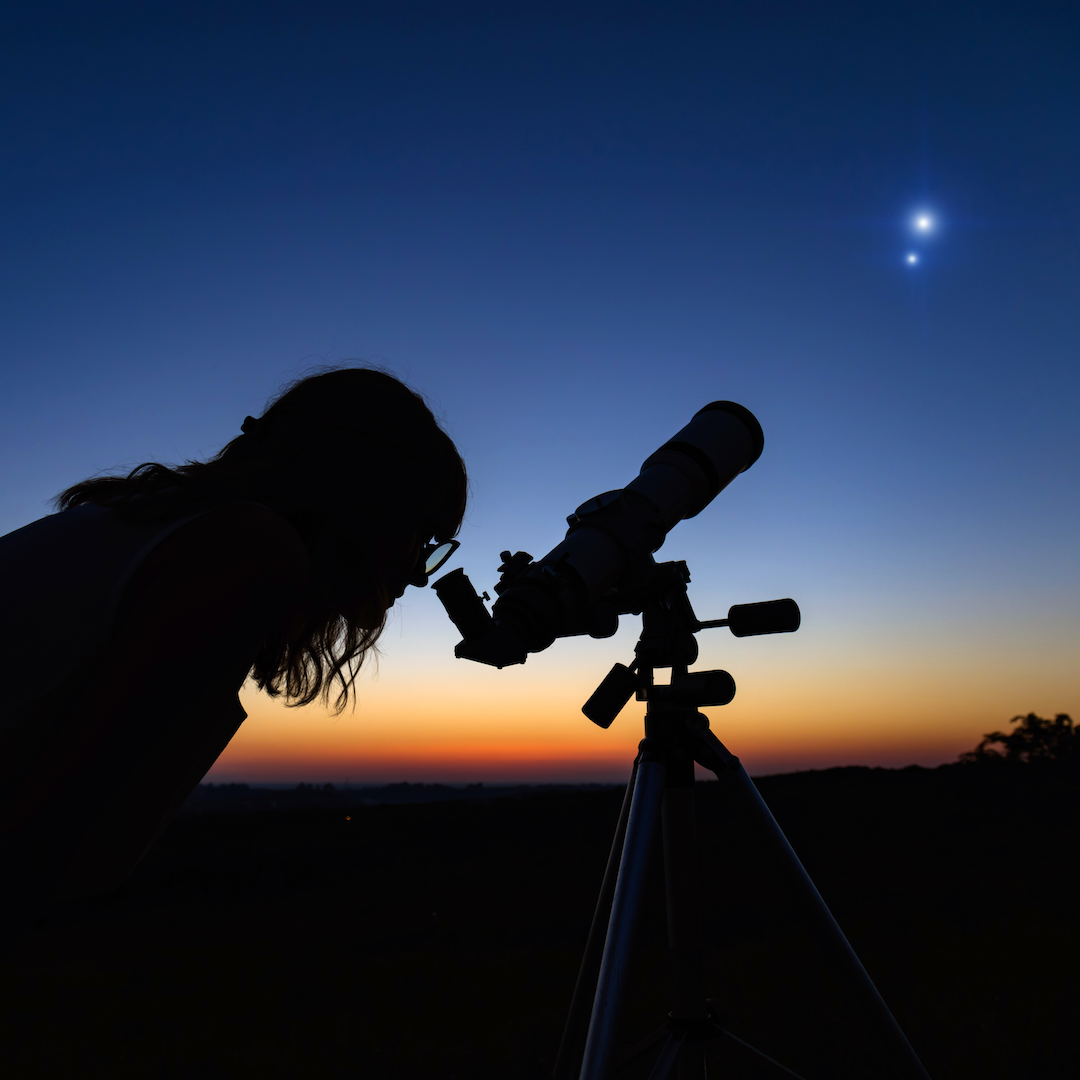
(441, 939)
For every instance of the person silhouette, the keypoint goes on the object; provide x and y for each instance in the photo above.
(132, 617)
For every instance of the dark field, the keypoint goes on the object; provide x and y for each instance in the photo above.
(442, 939)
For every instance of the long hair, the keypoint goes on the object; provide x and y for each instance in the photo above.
(336, 453)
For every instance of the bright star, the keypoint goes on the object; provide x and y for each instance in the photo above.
(923, 223)
(912, 258)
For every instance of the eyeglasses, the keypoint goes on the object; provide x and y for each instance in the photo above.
(432, 557)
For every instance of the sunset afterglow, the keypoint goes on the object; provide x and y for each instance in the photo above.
(569, 241)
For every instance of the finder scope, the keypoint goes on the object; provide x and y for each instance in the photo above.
(581, 586)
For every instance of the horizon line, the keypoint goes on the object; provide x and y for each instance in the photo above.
(704, 775)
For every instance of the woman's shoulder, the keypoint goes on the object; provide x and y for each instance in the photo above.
(248, 538)
(226, 556)
(251, 526)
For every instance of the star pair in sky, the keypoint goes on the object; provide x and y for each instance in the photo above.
(922, 225)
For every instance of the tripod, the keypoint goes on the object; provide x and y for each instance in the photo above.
(660, 793)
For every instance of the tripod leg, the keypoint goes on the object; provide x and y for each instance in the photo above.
(667, 1057)
(877, 1017)
(685, 942)
(644, 811)
(692, 1063)
(578, 1019)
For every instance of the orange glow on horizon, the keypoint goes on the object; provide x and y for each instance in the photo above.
(544, 737)
(425, 717)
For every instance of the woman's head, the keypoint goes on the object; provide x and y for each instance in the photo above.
(357, 462)
(353, 440)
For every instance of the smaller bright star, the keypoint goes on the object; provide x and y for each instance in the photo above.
(912, 259)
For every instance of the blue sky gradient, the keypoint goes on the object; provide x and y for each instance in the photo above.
(570, 230)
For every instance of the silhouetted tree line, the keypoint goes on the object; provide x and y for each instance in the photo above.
(1034, 740)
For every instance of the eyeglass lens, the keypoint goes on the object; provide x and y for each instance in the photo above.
(439, 555)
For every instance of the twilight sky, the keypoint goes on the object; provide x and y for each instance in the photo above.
(571, 228)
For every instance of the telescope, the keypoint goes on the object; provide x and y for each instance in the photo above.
(605, 563)
(604, 568)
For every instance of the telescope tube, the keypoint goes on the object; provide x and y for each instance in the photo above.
(610, 535)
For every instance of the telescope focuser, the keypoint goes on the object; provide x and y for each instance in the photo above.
(511, 566)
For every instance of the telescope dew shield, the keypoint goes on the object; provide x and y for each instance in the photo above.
(690, 470)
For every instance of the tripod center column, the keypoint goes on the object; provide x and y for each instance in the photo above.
(685, 942)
